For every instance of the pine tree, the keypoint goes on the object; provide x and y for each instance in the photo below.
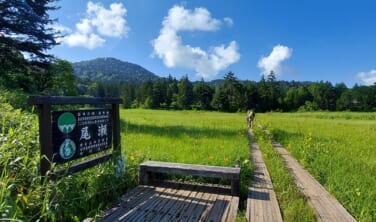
(26, 27)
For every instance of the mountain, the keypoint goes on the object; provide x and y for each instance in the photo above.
(111, 69)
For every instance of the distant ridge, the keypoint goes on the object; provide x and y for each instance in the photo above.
(111, 70)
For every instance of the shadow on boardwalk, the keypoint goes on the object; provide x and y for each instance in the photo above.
(172, 201)
(262, 204)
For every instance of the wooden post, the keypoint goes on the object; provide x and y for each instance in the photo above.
(116, 130)
(45, 137)
(235, 187)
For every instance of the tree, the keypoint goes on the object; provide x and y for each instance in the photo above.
(171, 92)
(229, 97)
(269, 92)
(26, 31)
(203, 95)
(158, 96)
(144, 93)
(185, 93)
(252, 97)
(26, 27)
(13, 69)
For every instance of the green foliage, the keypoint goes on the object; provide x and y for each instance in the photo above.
(309, 107)
(25, 196)
(17, 98)
(230, 94)
(63, 81)
(18, 161)
(112, 70)
(292, 202)
(338, 149)
(195, 137)
(185, 93)
(23, 25)
(229, 97)
(203, 96)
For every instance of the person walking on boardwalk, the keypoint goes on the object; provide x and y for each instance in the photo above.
(250, 117)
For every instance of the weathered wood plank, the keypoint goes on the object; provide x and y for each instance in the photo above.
(327, 208)
(262, 204)
(175, 202)
(230, 173)
(191, 169)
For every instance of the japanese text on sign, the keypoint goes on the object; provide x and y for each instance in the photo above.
(80, 133)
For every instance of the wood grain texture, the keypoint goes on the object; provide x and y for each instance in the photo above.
(262, 204)
(326, 207)
(173, 201)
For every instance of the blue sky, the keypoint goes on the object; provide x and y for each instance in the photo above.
(301, 40)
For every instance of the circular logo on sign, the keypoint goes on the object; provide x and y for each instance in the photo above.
(67, 149)
(66, 122)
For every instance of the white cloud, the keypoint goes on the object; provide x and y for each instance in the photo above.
(179, 19)
(98, 22)
(87, 40)
(84, 26)
(169, 47)
(273, 62)
(61, 28)
(228, 21)
(108, 22)
(368, 78)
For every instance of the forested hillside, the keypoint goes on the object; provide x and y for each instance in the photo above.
(112, 70)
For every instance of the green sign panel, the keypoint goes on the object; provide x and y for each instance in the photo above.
(66, 122)
(80, 133)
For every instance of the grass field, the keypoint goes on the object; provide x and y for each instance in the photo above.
(339, 149)
(208, 138)
(205, 138)
(292, 203)
(214, 138)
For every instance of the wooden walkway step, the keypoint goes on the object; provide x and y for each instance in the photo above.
(262, 204)
(173, 201)
(327, 208)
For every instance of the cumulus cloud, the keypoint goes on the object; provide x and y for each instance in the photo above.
(368, 78)
(109, 22)
(98, 22)
(87, 40)
(273, 62)
(169, 46)
(228, 21)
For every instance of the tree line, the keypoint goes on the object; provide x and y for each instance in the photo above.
(233, 95)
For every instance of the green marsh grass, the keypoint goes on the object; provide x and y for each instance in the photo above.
(26, 196)
(338, 149)
(195, 137)
(292, 202)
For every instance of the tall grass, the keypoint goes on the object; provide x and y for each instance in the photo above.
(292, 202)
(339, 150)
(195, 137)
(187, 137)
(26, 196)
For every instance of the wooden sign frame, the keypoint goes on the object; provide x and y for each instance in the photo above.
(45, 103)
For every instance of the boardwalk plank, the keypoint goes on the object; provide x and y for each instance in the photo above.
(175, 202)
(262, 204)
(327, 208)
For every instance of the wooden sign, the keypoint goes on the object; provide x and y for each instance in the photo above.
(80, 133)
(68, 135)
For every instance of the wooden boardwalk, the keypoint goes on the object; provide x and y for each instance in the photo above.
(327, 208)
(172, 201)
(262, 204)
